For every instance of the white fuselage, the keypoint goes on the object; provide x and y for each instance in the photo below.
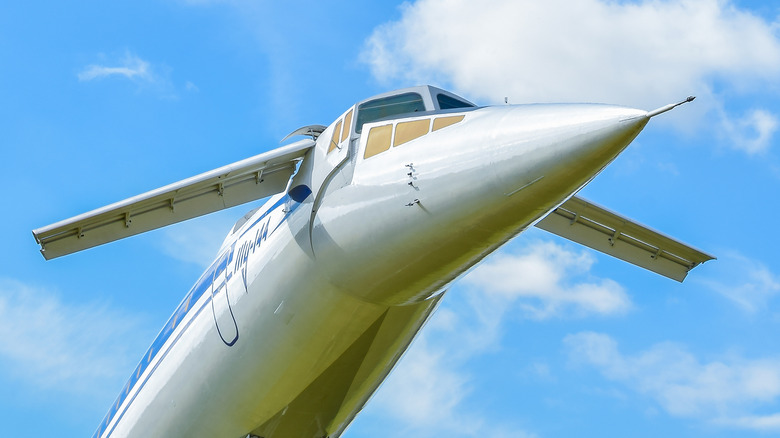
(310, 304)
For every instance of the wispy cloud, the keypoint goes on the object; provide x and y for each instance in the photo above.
(642, 54)
(146, 76)
(129, 66)
(74, 348)
(763, 423)
(197, 241)
(752, 133)
(191, 87)
(722, 392)
(748, 283)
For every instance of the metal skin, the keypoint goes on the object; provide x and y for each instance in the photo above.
(327, 303)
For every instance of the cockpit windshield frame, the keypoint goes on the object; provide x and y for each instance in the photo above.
(389, 106)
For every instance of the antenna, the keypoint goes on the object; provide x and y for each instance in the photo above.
(666, 108)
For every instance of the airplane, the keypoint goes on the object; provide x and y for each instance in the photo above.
(315, 296)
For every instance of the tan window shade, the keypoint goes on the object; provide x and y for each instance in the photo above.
(408, 131)
(378, 140)
(443, 122)
(334, 141)
(347, 126)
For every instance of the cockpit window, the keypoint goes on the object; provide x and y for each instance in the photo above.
(408, 131)
(347, 125)
(334, 141)
(388, 106)
(443, 122)
(448, 102)
(378, 140)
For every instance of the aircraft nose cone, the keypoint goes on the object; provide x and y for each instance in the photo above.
(593, 143)
(559, 148)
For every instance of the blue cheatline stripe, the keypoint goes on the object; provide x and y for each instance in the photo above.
(167, 350)
(197, 291)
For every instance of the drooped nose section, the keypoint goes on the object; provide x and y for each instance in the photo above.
(434, 207)
(558, 148)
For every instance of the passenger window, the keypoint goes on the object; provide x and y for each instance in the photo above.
(447, 102)
(378, 140)
(408, 131)
(443, 122)
(347, 126)
(388, 106)
(334, 141)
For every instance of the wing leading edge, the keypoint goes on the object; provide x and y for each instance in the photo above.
(586, 223)
(237, 183)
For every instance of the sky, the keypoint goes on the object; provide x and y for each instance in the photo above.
(100, 101)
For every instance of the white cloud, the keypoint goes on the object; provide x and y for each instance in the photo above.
(548, 280)
(582, 49)
(191, 87)
(431, 388)
(641, 53)
(428, 391)
(130, 66)
(425, 390)
(720, 391)
(751, 133)
(148, 77)
(72, 348)
(764, 423)
(746, 282)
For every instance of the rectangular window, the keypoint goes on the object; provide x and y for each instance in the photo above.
(347, 126)
(408, 131)
(378, 140)
(443, 122)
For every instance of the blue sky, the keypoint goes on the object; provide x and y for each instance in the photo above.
(104, 100)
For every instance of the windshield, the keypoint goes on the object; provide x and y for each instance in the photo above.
(388, 106)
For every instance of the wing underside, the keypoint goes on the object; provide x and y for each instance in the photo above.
(586, 223)
(243, 181)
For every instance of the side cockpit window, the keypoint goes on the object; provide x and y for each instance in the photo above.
(388, 106)
(347, 126)
(341, 132)
(335, 139)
